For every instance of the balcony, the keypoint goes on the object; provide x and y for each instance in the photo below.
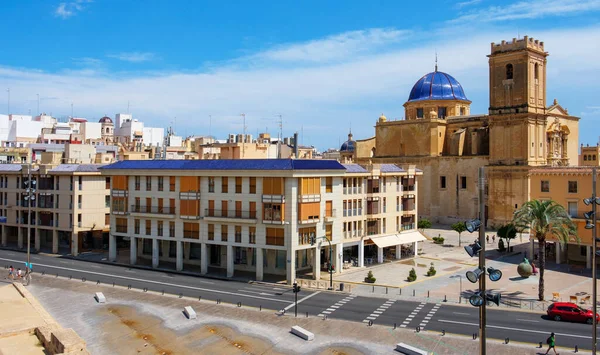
(153, 210)
(273, 198)
(407, 226)
(309, 198)
(189, 195)
(408, 189)
(310, 220)
(330, 215)
(119, 193)
(219, 215)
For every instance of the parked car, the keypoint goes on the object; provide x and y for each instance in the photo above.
(571, 312)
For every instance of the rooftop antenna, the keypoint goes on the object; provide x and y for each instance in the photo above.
(8, 102)
(280, 137)
(38, 104)
(436, 64)
(302, 134)
(244, 135)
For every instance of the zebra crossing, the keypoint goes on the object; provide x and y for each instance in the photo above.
(412, 315)
(429, 315)
(376, 313)
(336, 306)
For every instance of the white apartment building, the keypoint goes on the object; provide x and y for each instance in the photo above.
(258, 215)
(69, 212)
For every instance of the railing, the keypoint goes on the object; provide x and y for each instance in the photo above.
(218, 213)
(408, 226)
(330, 213)
(408, 187)
(152, 209)
(345, 190)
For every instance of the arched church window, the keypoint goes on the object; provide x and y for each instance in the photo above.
(535, 71)
(594, 157)
(584, 157)
(509, 71)
(419, 112)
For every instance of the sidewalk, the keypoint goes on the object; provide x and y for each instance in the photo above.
(134, 321)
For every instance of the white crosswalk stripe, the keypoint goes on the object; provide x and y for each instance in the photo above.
(376, 313)
(430, 315)
(412, 315)
(336, 306)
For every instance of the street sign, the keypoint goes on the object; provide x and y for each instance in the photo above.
(3, 219)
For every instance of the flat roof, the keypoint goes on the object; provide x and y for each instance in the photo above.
(227, 164)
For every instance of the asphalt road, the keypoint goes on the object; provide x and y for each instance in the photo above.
(501, 323)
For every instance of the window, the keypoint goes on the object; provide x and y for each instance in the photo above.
(172, 205)
(305, 234)
(252, 185)
(119, 204)
(328, 231)
(572, 207)
(252, 235)
(238, 234)
(584, 157)
(161, 181)
(545, 186)
(238, 185)
(159, 228)
(328, 184)
(240, 256)
(195, 251)
(107, 184)
(211, 231)
(119, 183)
(309, 211)
(442, 182)
(310, 186)
(536, 71)
(275, 236)
(238, 209)
(463, 182)
(171, 229)
(593, 156)
(224, 233)
(189, 208)
(463, 112)
(137, 183)
(328, 208)
(252, 209)
(189, 184)
(572, 187)
(509, 71)
(224, 208)
(172, 249)
(420, 112)
(441, 112)
(171, 183)
(81, 183)
(106, 201)
(136, 226)
(273, 186)
(121, 224)
(224, 185)
(211, 184)
(106, 219)
(148, 183)
(191, 230)
(273, 211)
(148, 224)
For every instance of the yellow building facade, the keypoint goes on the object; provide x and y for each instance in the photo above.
(441, 137)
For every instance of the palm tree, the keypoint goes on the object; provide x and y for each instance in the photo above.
(543, 219)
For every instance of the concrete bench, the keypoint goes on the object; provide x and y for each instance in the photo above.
(99, 296)
(409, 350)
(189, 312)
(303, 333)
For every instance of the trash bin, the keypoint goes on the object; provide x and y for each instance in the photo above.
(341, 286)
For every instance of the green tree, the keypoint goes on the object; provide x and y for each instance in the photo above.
(423, 224)
(545, 218)
(508, 232)
(459, 227)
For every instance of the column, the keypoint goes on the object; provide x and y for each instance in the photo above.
(317, 263)
(55, 243)
(361, 253)
(179, 256)
(4, 237)
(399, 251)
(203, 259)
(588, 257)
(74, 244)
(229, 260)
(558, 251)
(20, 237)
(155, 252)
(259, 264)
(416, 249)
(380, 255)
(132, 250)
(291, 266)
(36, 240)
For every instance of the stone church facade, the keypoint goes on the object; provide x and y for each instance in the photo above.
(441, 137)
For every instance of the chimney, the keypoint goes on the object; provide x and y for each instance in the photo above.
(296, 145)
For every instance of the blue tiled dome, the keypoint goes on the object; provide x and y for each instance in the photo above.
(437, 86)
(348, 146)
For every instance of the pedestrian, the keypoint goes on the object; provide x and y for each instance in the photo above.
(487, 239)
(11, 271)
(550, 341)
(19, 273)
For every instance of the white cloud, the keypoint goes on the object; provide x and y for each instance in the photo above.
(328, 94)
(65, 10)
(133, 57)
(529, 10)
(334, 48)
(467, 3)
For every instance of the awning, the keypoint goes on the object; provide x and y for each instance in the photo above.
(386, 241)
(410, 237)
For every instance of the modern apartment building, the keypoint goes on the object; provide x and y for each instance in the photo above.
(258, 215)
(69, 209)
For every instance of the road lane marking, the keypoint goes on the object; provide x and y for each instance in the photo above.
(528, 320)
(461, 313)
(376, 313)
(430, 315)
(338, 304)
(412, 315)
(515, 329)
(156, 282)
(255, 292)
(301, 300)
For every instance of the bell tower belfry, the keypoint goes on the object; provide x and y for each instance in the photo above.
(518, 102)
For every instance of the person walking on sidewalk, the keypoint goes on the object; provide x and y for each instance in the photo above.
(11, 273)
(551, 341)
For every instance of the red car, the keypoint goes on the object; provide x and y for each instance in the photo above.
(571, 312)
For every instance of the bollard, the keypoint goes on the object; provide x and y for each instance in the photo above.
(443, 332)
(576, 349)
(370, 323)
(163, 292)
(43, 273)
(98, 282)
(427, 293)
(373, 289)
(180, 295)
(70, 277)
(239, 304)
(218, 301)
(129, 287)
(199, 298)
(394, 325)
(506, 341)
(386, 290)
(113, 284)
(414, 293)
(306, 314)
(57, 275)
(540, 345)
(474, 336)
(83, 279)
(418, 329)
(145, 289)
(400, 292)
(260, 308)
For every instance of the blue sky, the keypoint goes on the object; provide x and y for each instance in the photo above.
(325, 66)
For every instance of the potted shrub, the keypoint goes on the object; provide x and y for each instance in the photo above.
(431, 270)
(412, 275)
(370, 278)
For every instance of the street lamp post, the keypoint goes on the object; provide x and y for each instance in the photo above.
(482, 320)
(312, 242)
(594, 200)
(30, 197)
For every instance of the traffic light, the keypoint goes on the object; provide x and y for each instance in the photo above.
(296, 287)
(473, 249)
